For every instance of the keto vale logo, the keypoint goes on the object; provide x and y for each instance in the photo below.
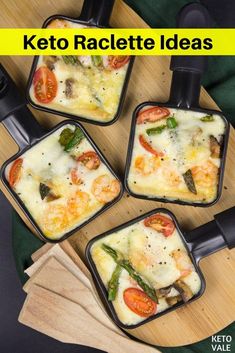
(222, 343)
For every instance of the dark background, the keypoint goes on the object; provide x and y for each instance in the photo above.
(14, 337)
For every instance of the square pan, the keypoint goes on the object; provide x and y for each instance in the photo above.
(130, 150)
(103, 291)
(68, 115)
(20, 203)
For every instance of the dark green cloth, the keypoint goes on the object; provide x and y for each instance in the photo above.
(220, 83)
(24, 244)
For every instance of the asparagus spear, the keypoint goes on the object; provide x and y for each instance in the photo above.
(113, 253)
(113, 283)
(76, 139)
(71, 59)
(146, 288)
(207, 118)
(97, 60)
(119, 259)
(155, 130)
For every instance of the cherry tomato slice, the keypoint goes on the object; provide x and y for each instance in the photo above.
(15, 172)
(148, 147)
(161, 224)
(45, 85)
(74, 177)
(90, 159)
(152, 114)
(116, 62)
(138, 302)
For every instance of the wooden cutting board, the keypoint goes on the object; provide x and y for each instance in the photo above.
(150, 81)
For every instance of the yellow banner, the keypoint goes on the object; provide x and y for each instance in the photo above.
(93, 41)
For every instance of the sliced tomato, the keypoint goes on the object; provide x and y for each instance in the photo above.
(90, 159)
(152, 114)
(45, 85)
(161, 224)
(117, 61)
(74, 177)
(146, 145)
(138, 302)
(15, 172)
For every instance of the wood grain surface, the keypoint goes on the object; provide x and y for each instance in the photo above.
(69, 322)
(150, 80)
(59, 279)
(68, 257)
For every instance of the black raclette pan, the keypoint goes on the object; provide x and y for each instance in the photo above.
(94, 13)
(200, 242)
(27, 132)
(184, 94)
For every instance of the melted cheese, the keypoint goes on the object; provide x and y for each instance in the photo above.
(48, 163)
(147, 256)
(96, 91)
(151, 255)
(185, 147)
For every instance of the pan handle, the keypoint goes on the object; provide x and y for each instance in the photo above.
(213, 236)
(97, 12)
(14, 114)
(188, 70)
(88, 10)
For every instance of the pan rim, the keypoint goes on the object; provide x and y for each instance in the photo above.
(22, 206)
(176, 201)
(69, 115)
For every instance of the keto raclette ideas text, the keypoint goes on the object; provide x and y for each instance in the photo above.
(111, 42)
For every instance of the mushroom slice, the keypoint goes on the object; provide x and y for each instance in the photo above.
(214, 147)
(69, 82)
(184, 290)
(162, 292)
(173, 300)
(52, 197)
